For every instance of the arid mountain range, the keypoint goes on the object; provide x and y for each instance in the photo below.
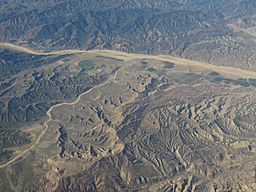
(220, 32)
(127, 95)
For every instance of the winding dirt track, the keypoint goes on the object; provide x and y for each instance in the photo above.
(120, 55)
(48, 113)
(36, 52)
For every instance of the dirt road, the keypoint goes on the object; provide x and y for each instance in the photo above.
(232, 71)
(48, 113)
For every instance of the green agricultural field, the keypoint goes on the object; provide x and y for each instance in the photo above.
(215, 74)
(242, 79)
(249, 80)
(168, 65)
(86, 64)
(151, 69)
(66, 60)
(252, 81)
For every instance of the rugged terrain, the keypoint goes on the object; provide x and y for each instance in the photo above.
(128, 95)
(219, 32)
(125, 122)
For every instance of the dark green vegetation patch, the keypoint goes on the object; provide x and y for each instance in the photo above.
(151, 69)
(66, 60)
(86, 64)
(252, 82)
(242, 79)
(168, 65)
(214, 73)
